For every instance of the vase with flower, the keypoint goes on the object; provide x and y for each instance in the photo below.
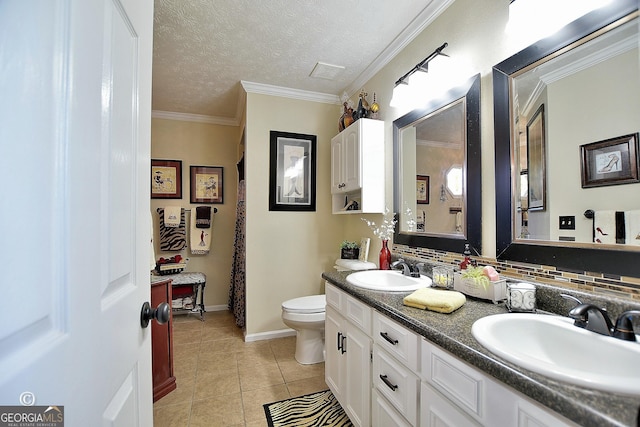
(384, 231)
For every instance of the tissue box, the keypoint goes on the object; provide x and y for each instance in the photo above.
(495, 291)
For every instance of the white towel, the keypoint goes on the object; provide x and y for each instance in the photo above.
(200, 238)
(604, 227)
(632, 227)
(172, 216)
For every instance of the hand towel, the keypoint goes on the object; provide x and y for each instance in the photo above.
(632, 227)
(172, 238)
(604, 227)
(435, 300)
(200, 238)
(203, 216)
(172, 216)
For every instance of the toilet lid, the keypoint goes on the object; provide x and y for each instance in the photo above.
(310, 304)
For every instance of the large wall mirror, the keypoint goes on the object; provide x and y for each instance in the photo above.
(566, 115)
(437, 179)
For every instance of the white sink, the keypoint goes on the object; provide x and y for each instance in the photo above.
(387, 280)
(554, 347)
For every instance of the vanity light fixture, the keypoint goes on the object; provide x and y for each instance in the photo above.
(401, 89)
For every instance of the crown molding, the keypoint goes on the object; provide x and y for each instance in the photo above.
(200, 118)
(285, 92)
(422, 21)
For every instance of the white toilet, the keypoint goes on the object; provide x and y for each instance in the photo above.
(306, 315)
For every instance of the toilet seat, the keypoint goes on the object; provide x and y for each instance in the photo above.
(306, 305)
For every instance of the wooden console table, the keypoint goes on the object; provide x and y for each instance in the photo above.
(162, 342)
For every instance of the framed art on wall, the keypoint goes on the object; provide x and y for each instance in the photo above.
(422, 189)
(536, 163)
(610, 162)
(292, 172)
(206, 184)
(166, 179)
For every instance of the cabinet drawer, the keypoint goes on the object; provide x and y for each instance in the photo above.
(436, 411)
(397, 383)
(397, 340)
(453, 378)
(357, 313)
(383, 414)
(333, 295)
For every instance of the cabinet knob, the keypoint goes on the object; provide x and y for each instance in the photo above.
(161, 314)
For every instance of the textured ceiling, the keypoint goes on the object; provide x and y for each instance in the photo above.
(204, 48)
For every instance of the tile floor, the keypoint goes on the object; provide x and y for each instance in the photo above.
(223, 381)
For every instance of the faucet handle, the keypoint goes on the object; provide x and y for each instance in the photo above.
(624, 326)
(579, 322)
(572, 298)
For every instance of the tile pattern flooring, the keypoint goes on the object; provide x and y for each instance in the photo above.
(223, 381)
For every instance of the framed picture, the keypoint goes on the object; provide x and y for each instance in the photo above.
(206, 184)
(292, 172)
(536, 163)
(610, 162)
(166, 179)
(364, 249)
(422, 189)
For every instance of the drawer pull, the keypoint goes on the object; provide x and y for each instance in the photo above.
(344, 347)
(388, 338)
(339, 340)
(388, 383)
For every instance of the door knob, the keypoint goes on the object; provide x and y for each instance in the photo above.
(161, 314)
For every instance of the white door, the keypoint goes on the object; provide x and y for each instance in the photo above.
(75, 85)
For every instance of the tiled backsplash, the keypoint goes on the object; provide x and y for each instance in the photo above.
(605, 284)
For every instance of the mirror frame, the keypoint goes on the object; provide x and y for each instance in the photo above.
(470, 90)
(616, 262)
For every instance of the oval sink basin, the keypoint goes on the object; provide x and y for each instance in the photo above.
(387, 280)
(554, 347)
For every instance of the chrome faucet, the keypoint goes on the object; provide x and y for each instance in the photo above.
(596, 319)
(592, 318)
(407, 270)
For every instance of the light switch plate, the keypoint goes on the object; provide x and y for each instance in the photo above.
(567, 223)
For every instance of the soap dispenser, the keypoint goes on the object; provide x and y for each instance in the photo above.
(467, 257)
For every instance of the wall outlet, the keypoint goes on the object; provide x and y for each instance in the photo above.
(567, 223)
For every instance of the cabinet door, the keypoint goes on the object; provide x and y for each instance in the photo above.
(334, 364)
(351, 158)
(358, 371)
(337, 182)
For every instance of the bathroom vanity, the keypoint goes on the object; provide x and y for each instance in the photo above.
(393, 365)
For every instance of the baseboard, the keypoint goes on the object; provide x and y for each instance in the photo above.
(216, 308)
(269, 335)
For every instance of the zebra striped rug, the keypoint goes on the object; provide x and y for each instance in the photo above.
(315, 409)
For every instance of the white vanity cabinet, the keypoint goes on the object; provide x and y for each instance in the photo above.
(348, 354)
(357, 167)
(456, 394)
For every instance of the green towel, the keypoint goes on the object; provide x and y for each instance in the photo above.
(435, 300)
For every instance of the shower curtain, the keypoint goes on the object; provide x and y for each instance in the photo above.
(237, 289)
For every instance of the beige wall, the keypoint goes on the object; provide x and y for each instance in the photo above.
(202, 144)
(286, 251)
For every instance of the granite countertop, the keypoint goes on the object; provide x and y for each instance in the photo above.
(453, 333)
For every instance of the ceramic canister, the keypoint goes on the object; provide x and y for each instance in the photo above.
(521, 297)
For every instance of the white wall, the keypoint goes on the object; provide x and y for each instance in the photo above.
(202, 144)
(286, 251)
(584, 113)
